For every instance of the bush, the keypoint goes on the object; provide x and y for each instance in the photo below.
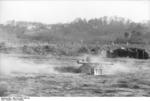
(68, 69)
(83, 50)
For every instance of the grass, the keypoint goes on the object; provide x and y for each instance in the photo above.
(70, 82)
(78, 85)
(3, 88)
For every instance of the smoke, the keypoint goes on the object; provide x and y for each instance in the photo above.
(114, 67)
(13, 65)
(10, 65)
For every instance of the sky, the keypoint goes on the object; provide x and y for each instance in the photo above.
(62, 11)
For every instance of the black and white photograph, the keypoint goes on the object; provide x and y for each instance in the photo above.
(74, 48)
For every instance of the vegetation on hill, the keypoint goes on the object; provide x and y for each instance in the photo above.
(102, 29)
(77, 35)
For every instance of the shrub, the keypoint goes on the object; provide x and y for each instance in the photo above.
(68, 69)
(83, 50)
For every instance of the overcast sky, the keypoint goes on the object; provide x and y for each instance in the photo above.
(66, 11)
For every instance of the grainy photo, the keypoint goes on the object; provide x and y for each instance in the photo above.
(75, 48)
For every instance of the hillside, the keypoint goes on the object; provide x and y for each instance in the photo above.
(103, 29)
